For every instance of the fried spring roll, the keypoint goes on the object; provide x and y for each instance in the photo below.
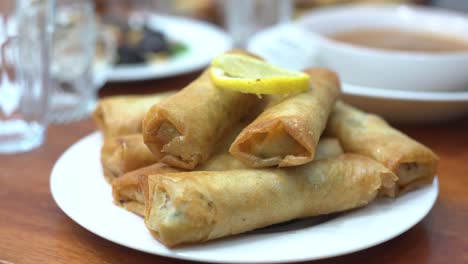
(122, 115)
(189, 207)
(287, 133)
(369, 135)
(183, 130)
(125, 189)
(127, 194)
(123, 154)
(328, 147)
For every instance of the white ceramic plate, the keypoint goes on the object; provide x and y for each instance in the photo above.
(283, 45)
(407, 106)
(79, 188)
(204, 41)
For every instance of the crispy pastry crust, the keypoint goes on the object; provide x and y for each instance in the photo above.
(126, 191)
(184, 129)
(197, 206)
(287, 133)
(123, 154)
(128, 195)
(122, 115)
(370, 135)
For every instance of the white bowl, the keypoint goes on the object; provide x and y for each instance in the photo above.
(400, 70)
(282, 45)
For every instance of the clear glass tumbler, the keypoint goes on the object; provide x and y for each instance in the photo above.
(73, 52)
(242, 18)
(25, 35)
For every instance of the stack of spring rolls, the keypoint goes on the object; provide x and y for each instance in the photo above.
(206, 163)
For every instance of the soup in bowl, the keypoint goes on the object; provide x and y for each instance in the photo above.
(388, 38)
(392, 47)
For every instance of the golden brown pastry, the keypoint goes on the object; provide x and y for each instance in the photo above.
(127, 194)
(126, 191)
(184, 129)
(328, 147)
(369, 135)
(123, 154)
(287, 133)
(122, 115)
(197, 206)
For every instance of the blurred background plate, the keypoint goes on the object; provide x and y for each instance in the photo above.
(203, 42)
(284, 46)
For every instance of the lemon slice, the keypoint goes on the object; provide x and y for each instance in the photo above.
(249, 75)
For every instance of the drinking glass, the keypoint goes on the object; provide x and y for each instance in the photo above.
(242, 18)
(25, 34)
(73, 61)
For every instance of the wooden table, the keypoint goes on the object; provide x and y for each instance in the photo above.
(34, 230)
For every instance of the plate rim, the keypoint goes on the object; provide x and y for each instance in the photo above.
(208, 27)
(172, 253)
(403, 95)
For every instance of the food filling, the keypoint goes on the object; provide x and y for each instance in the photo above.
(276, 143)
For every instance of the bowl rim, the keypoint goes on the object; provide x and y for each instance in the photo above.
(395, 54)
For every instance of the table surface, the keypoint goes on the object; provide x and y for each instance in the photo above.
(34, 230)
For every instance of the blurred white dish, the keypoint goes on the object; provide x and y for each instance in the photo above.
(395, 69)
(284, 45)
(101, 71)
(81, 192)
(204, 41)
(407, 106)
